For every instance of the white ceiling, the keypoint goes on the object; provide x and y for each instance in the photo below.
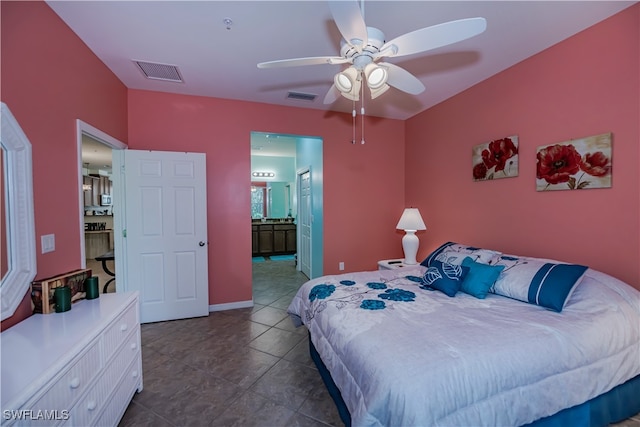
(265, 144)
(219, 62)
(95, 155)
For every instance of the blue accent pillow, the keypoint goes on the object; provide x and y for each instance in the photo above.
(445, 277)
(537, 281)
(480, 278)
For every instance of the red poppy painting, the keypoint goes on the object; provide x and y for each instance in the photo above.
(496, 159)
(575, 165)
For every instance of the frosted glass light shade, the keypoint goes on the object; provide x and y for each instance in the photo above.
(348, 83)
(376, 75)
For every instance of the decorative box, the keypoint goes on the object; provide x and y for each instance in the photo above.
(42, 300)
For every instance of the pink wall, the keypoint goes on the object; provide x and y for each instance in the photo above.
(586, 85)
(50, 79)
(363, 184)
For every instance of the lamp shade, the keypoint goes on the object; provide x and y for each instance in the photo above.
(411, 220)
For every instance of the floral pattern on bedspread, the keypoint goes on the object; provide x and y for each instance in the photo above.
(451, 361)
(372, 297)
(349, 294)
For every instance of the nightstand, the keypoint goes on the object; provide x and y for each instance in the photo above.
(392, 264)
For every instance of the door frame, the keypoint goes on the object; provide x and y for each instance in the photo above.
(83, 128)
(299, 173)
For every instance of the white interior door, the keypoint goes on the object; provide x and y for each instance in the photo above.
(165, 248)
(304, 223)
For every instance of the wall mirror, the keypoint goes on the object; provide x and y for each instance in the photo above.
(18, 237)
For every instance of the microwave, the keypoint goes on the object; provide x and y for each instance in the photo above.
(105, 200)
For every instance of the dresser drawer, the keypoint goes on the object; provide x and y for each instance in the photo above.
(94, 401)
(72, 384)
(117, 332)
(118, 401)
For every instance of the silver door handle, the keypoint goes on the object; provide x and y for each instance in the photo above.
(202, 243)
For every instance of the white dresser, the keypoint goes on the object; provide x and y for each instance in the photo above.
(78, 368)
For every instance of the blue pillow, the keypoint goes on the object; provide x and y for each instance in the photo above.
(538, 281)
(480, 278)
(445, 277)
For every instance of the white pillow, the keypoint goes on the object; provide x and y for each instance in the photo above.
(455, 253)
(542, 282)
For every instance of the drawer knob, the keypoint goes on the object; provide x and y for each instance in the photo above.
(123, 327)
(134, 346)
(91, 405)
(74, 383)
(134, 374)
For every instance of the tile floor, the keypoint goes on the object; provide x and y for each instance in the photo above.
(246, 367)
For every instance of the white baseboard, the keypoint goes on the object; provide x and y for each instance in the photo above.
(230, 306)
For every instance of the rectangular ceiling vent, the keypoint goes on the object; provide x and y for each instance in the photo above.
(301, 96)
(156, 71)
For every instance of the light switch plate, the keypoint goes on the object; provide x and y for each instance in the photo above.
(48, 242)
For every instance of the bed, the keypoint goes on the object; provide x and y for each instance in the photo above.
(475, 337)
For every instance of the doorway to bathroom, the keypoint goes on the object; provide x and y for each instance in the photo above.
(286, 217)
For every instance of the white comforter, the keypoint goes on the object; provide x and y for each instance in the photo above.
(465, 361)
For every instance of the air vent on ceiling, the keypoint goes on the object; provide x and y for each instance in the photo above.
(156, 71)
(301, 96)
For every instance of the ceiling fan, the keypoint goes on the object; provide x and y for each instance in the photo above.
(364, 48)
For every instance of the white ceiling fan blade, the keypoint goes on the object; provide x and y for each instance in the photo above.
(434, 37)
(316, 60)
(349, 20)
(332, 95)
(402, 79)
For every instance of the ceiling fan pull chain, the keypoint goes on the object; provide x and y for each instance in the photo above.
(362, 111)
(353, 114)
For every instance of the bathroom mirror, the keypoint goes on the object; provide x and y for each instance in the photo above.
(18, 237)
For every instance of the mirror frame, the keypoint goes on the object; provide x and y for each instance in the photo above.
(21, 250)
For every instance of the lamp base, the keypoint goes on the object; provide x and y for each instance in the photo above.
(410, 245)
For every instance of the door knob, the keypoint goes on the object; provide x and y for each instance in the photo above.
(201, 243)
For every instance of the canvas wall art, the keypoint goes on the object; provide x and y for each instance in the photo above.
(575, 165)
(496, 159)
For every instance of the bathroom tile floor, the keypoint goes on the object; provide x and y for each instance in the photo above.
(245, 367)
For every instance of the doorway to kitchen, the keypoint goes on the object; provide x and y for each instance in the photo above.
(97, 208)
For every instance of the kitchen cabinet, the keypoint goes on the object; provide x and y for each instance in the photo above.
(87, 189)
(97, 242)
(96, 186)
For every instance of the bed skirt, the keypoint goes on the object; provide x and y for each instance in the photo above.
(616, 405)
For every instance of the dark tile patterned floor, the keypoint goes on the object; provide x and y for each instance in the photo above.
(246, 367)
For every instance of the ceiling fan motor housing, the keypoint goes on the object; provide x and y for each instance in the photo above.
(356, 49)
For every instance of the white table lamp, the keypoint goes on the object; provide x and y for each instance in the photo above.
(410, 222)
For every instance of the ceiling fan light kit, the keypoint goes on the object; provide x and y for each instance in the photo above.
(376, 75)
(348, 83)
